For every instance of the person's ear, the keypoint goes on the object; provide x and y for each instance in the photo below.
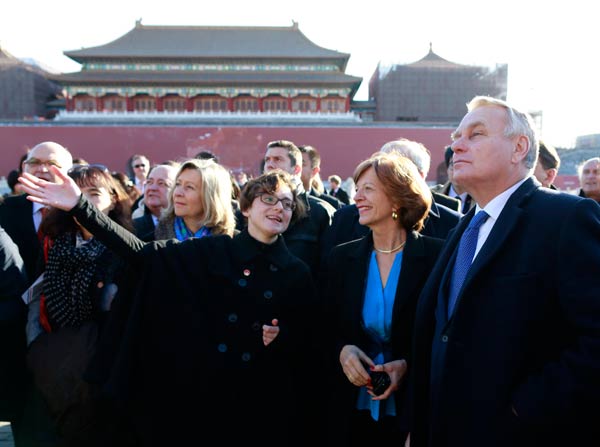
(521, 148)
(551, 175)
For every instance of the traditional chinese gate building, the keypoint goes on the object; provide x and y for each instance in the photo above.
(179, 69)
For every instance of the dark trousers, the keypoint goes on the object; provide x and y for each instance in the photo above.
(36, 428)
(365, 431)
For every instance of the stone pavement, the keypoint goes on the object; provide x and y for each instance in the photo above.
(6, 439)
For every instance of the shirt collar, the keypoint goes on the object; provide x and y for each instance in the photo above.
(37, 207)
(496, 205)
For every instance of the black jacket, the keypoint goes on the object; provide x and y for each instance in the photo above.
(13, 371)
(144, 226)
(341, 195)
(16, 217)
(304, 238)
(348, 269)
(193, 337)
(525, 332)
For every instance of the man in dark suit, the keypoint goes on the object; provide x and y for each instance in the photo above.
(507, 335)
(311, 167)
(337, 191)
(21, 220)
(304, 238)
(345, 226)
(156, 198)
(20, 217)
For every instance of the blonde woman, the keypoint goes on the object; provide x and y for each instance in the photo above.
(199, 203)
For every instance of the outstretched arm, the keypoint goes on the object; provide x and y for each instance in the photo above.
(66, 195)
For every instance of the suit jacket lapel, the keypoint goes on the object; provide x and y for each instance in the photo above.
(507, 221)
(411, 271)
(358, 265)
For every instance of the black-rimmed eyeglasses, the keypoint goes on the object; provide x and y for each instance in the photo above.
(271, 200)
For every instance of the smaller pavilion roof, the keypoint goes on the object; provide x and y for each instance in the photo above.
(433, 60)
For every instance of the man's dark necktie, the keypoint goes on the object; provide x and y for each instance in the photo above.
(464, 258)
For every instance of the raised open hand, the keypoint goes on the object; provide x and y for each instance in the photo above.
(63, 194)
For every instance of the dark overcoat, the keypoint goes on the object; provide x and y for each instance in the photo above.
(348, 268)
(525, 332)
(193, 363)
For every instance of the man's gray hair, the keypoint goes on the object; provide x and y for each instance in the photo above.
(583, 163)
(414, 151)
(518, 123)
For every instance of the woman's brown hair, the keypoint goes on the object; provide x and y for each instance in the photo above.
(403, 184)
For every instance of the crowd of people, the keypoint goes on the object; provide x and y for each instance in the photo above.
(179, 302)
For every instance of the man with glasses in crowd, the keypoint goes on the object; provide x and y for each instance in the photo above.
(156, 198)
(21, 219)
(140, 166)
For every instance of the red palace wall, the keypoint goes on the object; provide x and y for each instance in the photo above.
(237, 147)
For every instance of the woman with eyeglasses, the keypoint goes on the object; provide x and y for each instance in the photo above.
(373, 288)
(199, 203)
(220, 340)
(80, 279)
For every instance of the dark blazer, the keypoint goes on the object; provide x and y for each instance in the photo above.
(16, 217)
(336, 203)
(345, 226)
(144, 226)
(341, 195)
(304, 238)
(194, 337)
(449, 202)
(443, 191)
(13, 370)
(525, 332)
(348, 268)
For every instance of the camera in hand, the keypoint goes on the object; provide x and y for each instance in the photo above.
(380, 380)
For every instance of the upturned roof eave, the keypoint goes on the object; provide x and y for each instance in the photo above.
(137, 38)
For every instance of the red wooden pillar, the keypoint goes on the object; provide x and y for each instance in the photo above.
(129, 102)
(289, 104)
(318, 103)
(99, 104)
(189, 104)
(260, 104)
(347, 103)
(159, 104)
(70, 104)
(230, 104)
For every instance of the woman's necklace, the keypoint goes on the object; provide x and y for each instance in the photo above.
(393, 250)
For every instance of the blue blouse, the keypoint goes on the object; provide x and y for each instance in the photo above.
(377, 321)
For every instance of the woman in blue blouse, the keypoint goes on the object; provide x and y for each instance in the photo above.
(373, 287)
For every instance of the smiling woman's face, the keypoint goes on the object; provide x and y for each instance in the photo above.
(266, 222)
